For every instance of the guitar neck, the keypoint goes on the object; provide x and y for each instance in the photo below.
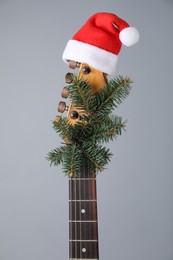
(83, 222)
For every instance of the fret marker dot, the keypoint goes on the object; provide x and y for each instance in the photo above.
(82, 211)
(83, 250)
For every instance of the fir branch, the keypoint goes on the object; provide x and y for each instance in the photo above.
(67, 131)
(80, 92)
(84, 138)
(72, 160)
(56, 156)
(96, 155)
(62, 128)
(98, 105)
(103, 131)
(111, 96)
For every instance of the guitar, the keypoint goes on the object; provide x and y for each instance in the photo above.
(89, 121)
(83, 219)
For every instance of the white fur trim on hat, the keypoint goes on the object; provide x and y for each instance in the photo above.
(129, 36)
(95, 57)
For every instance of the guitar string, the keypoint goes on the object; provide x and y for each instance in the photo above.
(90, 212)
(76, 214)
(95, 215)
(93, 250)
(80, 195)
(70, 216)
(85, 205)
(80, 207)
(97, 251)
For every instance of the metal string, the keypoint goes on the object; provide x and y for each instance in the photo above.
(70, 214)
(89, 202)
(84, 170)
(80, 207)
(76, 247)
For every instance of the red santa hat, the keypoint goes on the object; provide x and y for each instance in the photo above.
(99, 41)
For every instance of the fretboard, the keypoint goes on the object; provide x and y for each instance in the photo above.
(83, 225)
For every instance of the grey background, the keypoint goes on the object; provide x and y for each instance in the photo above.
(135, 192)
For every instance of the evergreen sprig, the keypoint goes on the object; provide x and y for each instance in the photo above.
(84, 140)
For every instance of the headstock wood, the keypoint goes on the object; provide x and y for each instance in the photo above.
(95, 78)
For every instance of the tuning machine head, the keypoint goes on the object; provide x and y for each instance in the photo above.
(74, 114)
(62, 107)
(69, 77)
(73, 64)
(65, 92)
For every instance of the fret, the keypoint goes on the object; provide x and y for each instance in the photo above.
(83, 221)
(80, 240)
(81, 179)
(83, 259)
(82, 200)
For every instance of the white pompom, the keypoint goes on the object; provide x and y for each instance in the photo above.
(129, 36)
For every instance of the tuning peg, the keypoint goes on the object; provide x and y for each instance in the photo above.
(74, 114)
(72, 64)
(62, 107)
(69, 77)
(65, 92)
(57, 119)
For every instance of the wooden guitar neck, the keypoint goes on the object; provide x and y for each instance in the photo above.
(83, 220)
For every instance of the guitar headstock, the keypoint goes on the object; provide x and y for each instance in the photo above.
(95, 78)
(93, 51)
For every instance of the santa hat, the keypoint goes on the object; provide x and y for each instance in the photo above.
(99, 41)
